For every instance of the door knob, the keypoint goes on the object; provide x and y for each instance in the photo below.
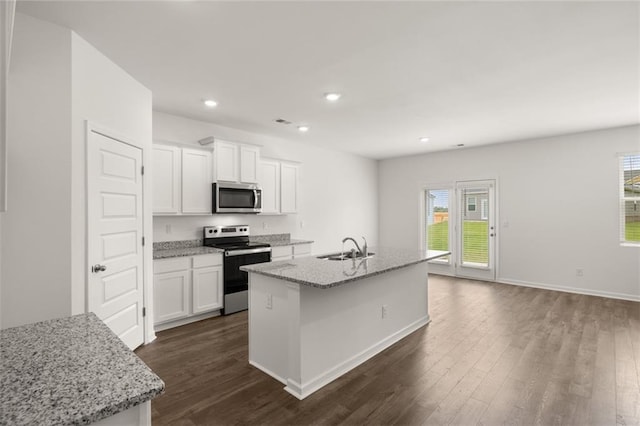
(98, 268)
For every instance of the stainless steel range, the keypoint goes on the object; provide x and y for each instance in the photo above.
(238, 251)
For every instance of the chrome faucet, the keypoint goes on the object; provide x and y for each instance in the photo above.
(365, 249)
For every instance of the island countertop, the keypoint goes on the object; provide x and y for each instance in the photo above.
(314, 272)
(69, 371)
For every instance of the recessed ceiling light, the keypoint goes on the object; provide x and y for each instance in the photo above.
(210, 103)
(304, 128)
(424, 139)
(332, 96)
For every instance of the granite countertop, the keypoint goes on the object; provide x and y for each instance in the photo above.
(71, 370)
(290, 242)
(320, 273)
(168, 249)
(186, 251)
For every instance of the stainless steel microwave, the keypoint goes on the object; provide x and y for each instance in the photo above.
(236, 198)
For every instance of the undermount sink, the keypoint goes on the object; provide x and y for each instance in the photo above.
(344, 256)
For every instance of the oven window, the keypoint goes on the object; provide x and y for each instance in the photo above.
(236, 198)
(236, 280)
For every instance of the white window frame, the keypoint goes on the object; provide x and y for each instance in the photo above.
(624, 199)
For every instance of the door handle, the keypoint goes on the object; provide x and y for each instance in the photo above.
(98, 268)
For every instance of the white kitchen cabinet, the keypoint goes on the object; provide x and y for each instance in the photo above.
(166, 179)
(249, 159)
(207, 289)
(196, 181)
(301, 250)
(289, 188)
(279, 183)
(293, 251)
(270, 184)
(181, 180)
(186, 289)
(235, 162)
(171, 295)
(226, 161)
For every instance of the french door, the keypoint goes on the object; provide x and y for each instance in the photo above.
(460, 218)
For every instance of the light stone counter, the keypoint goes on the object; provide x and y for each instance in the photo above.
(71, 370)
(314, 272)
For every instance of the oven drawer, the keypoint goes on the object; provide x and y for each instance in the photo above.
(205, 260)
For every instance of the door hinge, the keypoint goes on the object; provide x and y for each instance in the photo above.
(142, 171)
(144, 312)
(143, 241)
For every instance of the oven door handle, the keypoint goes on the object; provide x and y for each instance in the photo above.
(247, 251)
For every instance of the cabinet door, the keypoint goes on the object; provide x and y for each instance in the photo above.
(281, 253)
(270, 184)
(288, 188)
(166, 179)
(196, 181)
(249, 159)
(226, 161)
(207, 289)
(301, 250)
(171, 296)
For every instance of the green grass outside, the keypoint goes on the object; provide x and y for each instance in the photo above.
(475, 241)
(632, 231)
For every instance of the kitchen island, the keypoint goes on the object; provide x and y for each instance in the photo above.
(312, 320)
(72, 370)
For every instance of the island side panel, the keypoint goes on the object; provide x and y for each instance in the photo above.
(269, 327)
(341, 327)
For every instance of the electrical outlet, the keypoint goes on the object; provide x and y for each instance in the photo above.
(269, 301)
(385, 311)
(167, 228)
(264, 225)
(579, 272)
(302, 224)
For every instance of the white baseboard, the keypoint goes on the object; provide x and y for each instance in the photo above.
(303, 390)
(184, 321)
(576, 290)
(269, 372)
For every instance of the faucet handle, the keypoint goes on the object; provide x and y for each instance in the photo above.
(365, 250)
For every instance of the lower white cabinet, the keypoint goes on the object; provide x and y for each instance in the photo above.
(294, 251)
(185, 288)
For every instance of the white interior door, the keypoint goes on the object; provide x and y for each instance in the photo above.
(476, 230)
(115, 254)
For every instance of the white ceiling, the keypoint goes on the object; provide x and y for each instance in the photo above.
(468, 73)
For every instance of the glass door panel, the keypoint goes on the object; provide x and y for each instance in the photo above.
(437, 226)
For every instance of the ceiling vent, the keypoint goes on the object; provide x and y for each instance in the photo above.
(282, 121)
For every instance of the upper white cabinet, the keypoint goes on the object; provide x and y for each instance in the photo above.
(167, 165)
(181, 180)
(196, 181)
(270, 184)
(289, 188)
(279, 183)
(236, 162)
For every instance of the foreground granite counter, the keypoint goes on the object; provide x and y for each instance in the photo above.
(321, 273)
(69, 371)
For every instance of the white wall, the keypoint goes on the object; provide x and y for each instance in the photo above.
(57, 82)
(559, 196)
(338, 191)
(106, 95)
(36, 238)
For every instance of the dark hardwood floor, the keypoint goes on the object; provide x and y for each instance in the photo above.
(493, 354)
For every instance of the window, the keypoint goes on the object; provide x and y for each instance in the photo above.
(437, 226)
(471, 204)
(630, 199)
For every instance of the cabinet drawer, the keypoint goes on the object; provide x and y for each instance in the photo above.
(281, 252)
(301, 250)
(161, 266)
(207, 260)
